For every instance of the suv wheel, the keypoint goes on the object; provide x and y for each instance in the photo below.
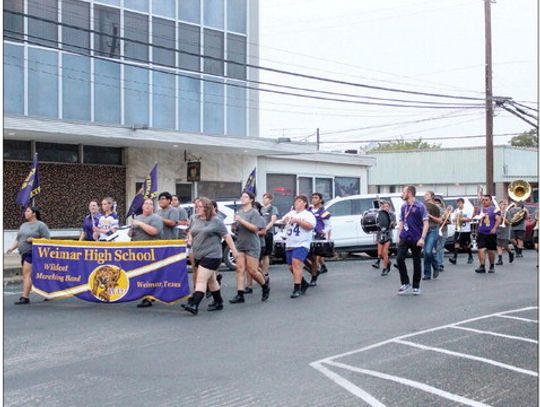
(228, 259)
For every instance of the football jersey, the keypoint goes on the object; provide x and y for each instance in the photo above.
(296, 236)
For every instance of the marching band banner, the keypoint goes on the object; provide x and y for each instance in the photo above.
(110, 272)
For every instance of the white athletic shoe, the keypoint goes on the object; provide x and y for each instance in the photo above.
(416, 291)
(405, 289)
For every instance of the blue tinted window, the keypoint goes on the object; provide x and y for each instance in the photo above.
(76, 87)
(189, 10)
(139, 5)
(136, 96)
(13, 79)
(42, 82)
(213, 13)
(165, 8)
(163, 100)
(236, 110)
(189, 45)
(189, 104)
(163, 36)
(40, 31)
(236, 51)
(111, 2)
(214, 48)
(136, 29)
(236, 15)
(13, 23)
(213, 108)
(107, 91)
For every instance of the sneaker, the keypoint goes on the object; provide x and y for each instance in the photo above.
(376, 264)
(248, 290)
(427, 278)
(22, 300)
(215, 306)
(265, 292)
(416, 291)
(435, 273)
(491, 269)
(238, 299)
(208, 293)
(453, 260)
(470, 260)
(481, 269)
(499, 262)
(518, 254)
(385, 272)
(304, 287)
(323, 269)
(510, 257)
(296, 294)
(404, 289)
(145, 303)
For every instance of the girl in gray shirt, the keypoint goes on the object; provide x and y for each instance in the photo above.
(248, 222)
(33, 228)
(206, 232)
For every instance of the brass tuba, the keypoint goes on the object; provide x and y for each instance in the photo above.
(518, 191)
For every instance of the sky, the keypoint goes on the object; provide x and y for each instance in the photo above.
(434, 46)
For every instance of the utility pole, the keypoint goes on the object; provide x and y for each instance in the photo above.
(318, 139)
(489, 101)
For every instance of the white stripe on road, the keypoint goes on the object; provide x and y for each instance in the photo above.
(412, 383)
(478, 331)
(517, 318)
(467, 356)
(11, 293)
(385, 342)
(347, 385)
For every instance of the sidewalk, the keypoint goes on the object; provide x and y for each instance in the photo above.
(12, 269)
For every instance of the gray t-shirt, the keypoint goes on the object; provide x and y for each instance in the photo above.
(35, 230)
(206, 237)
(169, 232)
(504, 233)
(247, 241)
(267, 212)
(182, 215)
(152, 220)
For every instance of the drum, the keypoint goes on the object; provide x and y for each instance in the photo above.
(370, 221)
(279, 250)
(322, 248)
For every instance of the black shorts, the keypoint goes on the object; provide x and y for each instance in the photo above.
(269, 243)
(384, 237)
(518, 234)
(208, 263)
(26, 257)
(463, 238)
(486, 241)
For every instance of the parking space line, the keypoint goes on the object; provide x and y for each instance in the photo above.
(517, 338)
(347, 385)
(11, 293)
(467, 356)
(411, 383)
(518, 318)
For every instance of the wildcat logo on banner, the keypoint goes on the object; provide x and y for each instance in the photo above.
(110, 272)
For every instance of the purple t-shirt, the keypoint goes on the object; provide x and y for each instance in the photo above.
(413, 217)
(88, 224)
(488, 221)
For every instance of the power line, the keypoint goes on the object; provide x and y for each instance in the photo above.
(269, 69)
(422, 138)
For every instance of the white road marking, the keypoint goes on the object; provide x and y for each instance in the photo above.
(467, 356)
(357, 391)
(517, 318)
(517, 338)
(11, 293)
(347, 385)
(412, 383)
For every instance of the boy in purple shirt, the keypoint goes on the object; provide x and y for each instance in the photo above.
(90, 220)
(486, 238)
(413, 228)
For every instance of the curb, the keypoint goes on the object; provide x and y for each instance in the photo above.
(12, 275)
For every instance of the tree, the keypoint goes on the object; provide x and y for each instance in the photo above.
(400, 145)
(526, 139)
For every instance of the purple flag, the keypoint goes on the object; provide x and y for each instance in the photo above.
(250, 183)
(30, 187)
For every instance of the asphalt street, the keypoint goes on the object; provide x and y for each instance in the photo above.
(468, 339)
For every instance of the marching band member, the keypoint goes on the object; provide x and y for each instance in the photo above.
(413, 228)
(518, 227)
(33, 228)
(486, 238)
(270, 214)
(322, 216)
(90, 220)
(443, 228)
(108, 222)
(248, 223)
(183, 219)
(300, 224)
(434, 216)
(384, 237)
(503, 235)
(462, 217)
(261, 233)
(206, 232)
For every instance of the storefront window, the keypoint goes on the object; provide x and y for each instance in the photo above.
(283, 186)
(223, 191)
(346, 186)
(324, 187)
